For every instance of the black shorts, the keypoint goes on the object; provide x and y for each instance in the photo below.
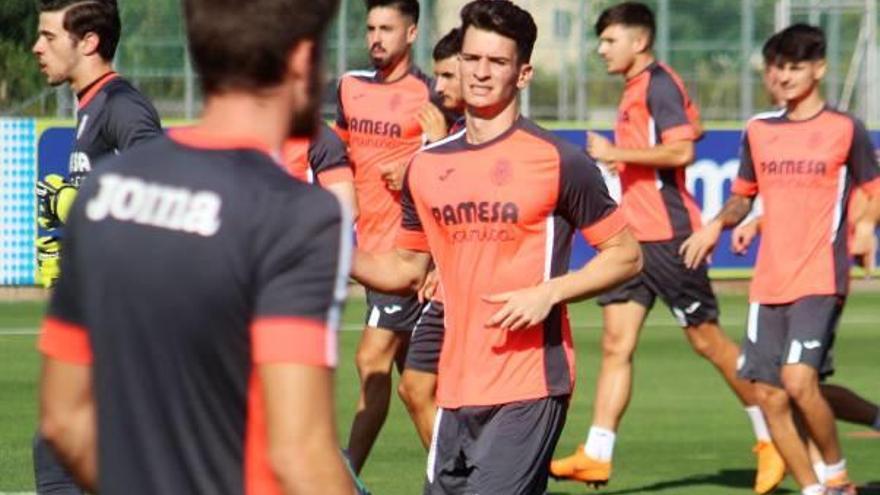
(801, 332)
(392, 311)
(686, 292)
(503, 449)
(427, 339)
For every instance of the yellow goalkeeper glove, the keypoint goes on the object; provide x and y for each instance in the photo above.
(55, 197)
(48, 260)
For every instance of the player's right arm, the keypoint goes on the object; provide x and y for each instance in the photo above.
(405, 268)
(700, 244)
(301, 283)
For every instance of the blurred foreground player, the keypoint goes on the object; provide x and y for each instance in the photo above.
(178, 373)
(496, 208)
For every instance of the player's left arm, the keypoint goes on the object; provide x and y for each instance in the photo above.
(131, 121)
(862, 161)
(301, 284)
(676, 132)
(584, 201)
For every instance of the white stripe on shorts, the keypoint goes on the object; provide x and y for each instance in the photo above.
(373, 321)
(752, 326)
(794, 352)
(432, 453)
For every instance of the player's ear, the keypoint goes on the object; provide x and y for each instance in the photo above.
(526, 72)
(820, 67)
(300, 63)
(89, 43)
(641, 40)
(412, 32)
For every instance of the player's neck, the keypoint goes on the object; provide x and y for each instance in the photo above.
(398, 70)
(807, 107)
(88, 72)
(484, 127)
(244, 115)
(641, 62)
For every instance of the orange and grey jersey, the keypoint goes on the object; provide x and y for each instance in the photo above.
(111, 117)
(496, 217)
(804, 171)
(189, 262)
(378, 121)
(655, 109)
(321, 159)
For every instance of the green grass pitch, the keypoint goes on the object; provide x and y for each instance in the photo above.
(684, 433)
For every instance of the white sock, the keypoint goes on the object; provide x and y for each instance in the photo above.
(833, 470)
(759, 425)
(600, 444)
(876, 424)
(819, 468)
(813, 490)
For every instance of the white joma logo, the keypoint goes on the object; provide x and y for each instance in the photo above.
(390, 310)
(812, 344)
(129, 199)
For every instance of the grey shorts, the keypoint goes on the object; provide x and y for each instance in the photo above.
(427, 339)
(801, 332)
(503, 449)
(686, 292)
(392, 311)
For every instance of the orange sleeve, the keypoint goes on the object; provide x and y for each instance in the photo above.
(684, 132)
(605, 229)
(65, 342)
(342, 133)
(744, 187)
(293, 340)
(412, 240)
(335, 176)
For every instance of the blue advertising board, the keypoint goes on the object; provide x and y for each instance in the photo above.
(709, 179)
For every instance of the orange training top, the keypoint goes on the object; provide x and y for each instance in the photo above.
(496, 217)
(804, 171)
(655, 108)
(378, 121)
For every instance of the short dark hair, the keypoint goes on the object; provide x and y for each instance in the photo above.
(800, 43)
(245, 45)
(90, 16)
(771, 49)
(408, 8)
(448, 46)
(630, 14)
(505, 18)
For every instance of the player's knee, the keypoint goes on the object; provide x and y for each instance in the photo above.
(370, 361)
(617, 346)
(798, 388)
(773, 401)
(412, 394)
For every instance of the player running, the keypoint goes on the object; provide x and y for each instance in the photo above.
(377, 118)
(804, 164)
(496, 208)
(418, 382)
(846, 404)
(654, 141)
(76, 42)
(201, 286)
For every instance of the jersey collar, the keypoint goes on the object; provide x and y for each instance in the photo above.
(85, 96)
(194, 137)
